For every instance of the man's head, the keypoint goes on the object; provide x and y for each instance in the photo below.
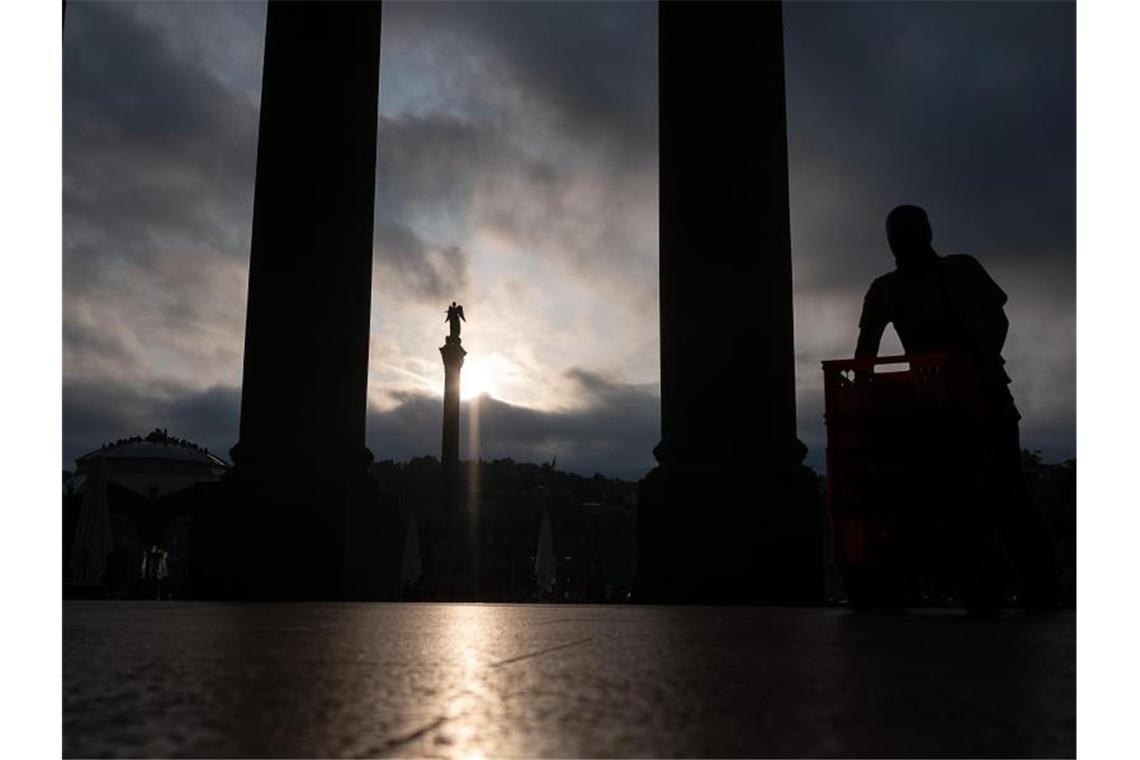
(908, 233)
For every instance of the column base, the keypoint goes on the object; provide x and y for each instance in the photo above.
(730, 537)
(286, 534)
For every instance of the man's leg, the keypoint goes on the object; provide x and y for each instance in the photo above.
(1027, 535)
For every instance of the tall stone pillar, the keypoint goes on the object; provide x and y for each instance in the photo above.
(452, 353)
(730, 514)
(310, 271)
(303, 510)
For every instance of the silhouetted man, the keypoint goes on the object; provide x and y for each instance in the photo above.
(951, 304)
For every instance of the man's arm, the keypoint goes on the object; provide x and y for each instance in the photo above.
(867, 347)
(873, 321)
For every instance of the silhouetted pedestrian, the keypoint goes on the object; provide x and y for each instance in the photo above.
(950, 304)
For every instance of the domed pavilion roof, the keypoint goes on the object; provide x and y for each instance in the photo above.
(157, 445)
(154, 465)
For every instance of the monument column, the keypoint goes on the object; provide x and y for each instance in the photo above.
(300, 489)
(452, 353)
(729, 513)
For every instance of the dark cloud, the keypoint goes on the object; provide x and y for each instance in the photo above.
(613, 431)
(966, 108)
(540, 128)
(590, 67)
(432, 272)
(432, 165)
(157, 150)
(158, 168)
(596, 63)
(95, 413)
(123, 71)
(444, 178)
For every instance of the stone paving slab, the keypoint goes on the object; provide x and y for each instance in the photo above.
(180, 679)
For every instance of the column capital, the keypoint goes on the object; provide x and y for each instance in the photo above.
(452, 353)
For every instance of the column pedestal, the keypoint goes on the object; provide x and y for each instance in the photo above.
(746, 535)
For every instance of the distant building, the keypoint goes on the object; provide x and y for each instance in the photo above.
(155, 466)
(154, 485)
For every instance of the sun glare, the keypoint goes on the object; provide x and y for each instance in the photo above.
(478, 377)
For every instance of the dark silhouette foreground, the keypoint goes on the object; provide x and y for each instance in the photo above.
(730, 514)
(950, 305)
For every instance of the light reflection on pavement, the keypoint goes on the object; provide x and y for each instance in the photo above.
(483, 681)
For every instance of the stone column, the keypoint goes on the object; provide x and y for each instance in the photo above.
(726, 514)
(303, 517)
(452, 353)
(305, 375)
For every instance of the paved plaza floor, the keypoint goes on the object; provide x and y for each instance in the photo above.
(457, 680)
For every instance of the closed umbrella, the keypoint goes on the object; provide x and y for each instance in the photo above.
(93, 542)
(545, 569)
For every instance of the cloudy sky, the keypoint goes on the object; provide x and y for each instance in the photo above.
(517, 173)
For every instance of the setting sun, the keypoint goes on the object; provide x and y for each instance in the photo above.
(479, 377)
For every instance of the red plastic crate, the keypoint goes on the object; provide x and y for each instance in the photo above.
(901, 437)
